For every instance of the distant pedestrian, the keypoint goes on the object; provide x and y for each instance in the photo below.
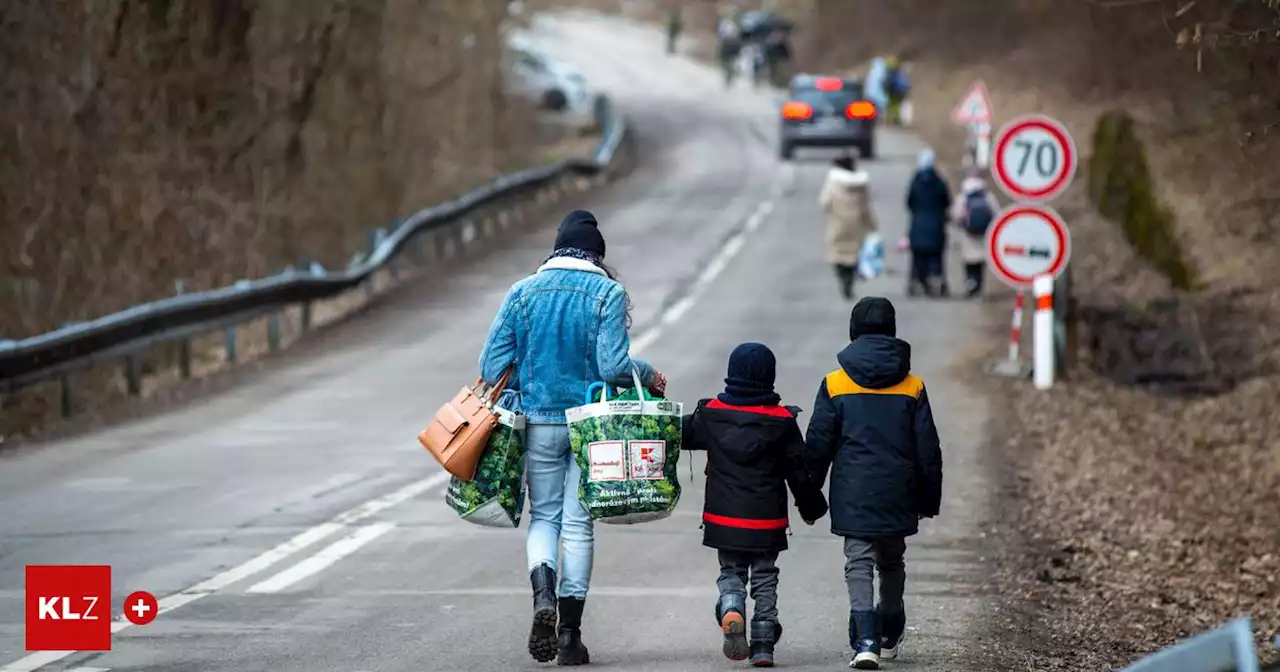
(929, 201)
(675, 24)
(847, 203)
(755, 451)
(973, 214)
(873, 427)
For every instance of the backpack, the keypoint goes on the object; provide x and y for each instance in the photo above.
(979, 213)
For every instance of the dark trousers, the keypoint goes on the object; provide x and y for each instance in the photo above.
(864, 557)
(927, 271)
(846, 274)
(739, 569)
(973, 275)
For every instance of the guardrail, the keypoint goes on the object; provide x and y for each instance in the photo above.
(1227, 649)
(123, 335)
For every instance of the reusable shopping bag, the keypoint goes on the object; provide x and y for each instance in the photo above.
(627, 449)
(494, 497)
(871, 256)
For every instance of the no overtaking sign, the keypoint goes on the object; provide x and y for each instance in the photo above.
(1027, 241)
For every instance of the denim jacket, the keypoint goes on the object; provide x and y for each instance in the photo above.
(564, 327)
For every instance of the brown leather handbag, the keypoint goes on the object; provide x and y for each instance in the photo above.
(460, 430)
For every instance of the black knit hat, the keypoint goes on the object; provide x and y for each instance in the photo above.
(873, 315)
(752, 369)
(579, 230)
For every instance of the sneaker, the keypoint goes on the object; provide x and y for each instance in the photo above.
(864, 638)
(893, 629)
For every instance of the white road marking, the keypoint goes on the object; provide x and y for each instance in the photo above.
(727, 252)
(327, 556)
(89, 669)
(242, 571)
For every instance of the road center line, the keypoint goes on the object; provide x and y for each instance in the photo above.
(709, 273)
(327, 556)
(257, 564)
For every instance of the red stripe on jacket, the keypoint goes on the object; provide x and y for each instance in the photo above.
(774, 411)
(745, 523)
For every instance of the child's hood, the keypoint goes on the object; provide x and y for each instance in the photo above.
(876, 361)
(745, 434)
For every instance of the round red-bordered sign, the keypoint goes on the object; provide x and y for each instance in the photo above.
(1027, 241)
(1034, 158)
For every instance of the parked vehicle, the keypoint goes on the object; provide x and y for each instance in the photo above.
(553, 85)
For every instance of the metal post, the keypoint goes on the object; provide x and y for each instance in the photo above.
(132, 375)
(273, 331)
(1043, 336)
(66, 398)
(231, 345)
(184, 345)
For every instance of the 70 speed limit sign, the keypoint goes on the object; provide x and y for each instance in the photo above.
(1035, 159)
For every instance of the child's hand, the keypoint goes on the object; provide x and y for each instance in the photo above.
(659, 385)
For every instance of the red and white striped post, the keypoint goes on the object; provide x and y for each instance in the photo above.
(1015, 335)
(1042, 343)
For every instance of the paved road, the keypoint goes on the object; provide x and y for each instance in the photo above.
(293, 523)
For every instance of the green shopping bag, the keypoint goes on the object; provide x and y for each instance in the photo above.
(495, 496)
(627, 449)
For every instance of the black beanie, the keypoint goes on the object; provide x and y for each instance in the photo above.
(873, 315)
(752, 368)
(579, 230)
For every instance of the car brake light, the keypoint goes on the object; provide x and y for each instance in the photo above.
(795, 109)
(860, 109)
(829, 84)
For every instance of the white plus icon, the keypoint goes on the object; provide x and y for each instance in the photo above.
(141, 609)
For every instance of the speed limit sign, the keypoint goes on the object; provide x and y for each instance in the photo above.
(1035, 159)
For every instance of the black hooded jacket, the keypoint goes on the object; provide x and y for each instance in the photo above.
(753, 454)
(873, 427)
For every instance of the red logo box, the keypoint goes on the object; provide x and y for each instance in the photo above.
(68, 607)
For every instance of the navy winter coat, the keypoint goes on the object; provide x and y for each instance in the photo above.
(873, 427)
(929, 200)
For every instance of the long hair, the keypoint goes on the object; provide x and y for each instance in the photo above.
(613, 275)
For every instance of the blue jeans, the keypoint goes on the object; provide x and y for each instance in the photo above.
(555, 510)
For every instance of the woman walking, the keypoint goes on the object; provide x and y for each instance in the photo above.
(845, 201)
(562, 328)
(929, 201)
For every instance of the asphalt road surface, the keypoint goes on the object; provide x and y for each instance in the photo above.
(293, 523)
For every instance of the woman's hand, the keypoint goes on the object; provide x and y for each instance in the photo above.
(659, 385)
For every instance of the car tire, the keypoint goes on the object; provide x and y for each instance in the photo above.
(555, 100)
(786, 151)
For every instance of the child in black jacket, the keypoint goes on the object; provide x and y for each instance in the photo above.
(754, 451)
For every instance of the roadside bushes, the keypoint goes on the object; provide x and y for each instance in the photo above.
(1120, 186)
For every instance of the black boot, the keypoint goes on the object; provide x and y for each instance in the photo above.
(572, 651)
(542, 637)
(764, 635)
(731, 614)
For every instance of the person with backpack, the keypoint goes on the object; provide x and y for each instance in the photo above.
(973, 213)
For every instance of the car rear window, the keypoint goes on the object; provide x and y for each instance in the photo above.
(839, 99)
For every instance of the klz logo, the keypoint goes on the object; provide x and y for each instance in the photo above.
(68, 608)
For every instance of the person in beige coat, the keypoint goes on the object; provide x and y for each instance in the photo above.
(847, 203)
(973, 213)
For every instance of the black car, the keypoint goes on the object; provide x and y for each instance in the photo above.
(827, 112)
